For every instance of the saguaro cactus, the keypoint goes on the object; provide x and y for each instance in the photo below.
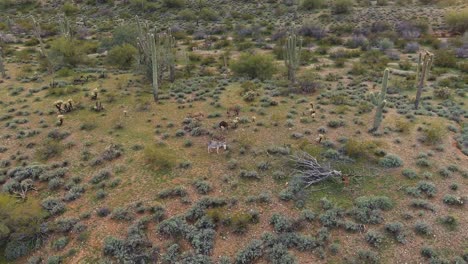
(65, 28)
(2, 65)
(169, 50)
(422, 72)
(148, 54)
(292, 55)
(156, 54)
(378, 99)
(154, 61)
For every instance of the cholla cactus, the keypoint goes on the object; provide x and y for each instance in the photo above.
(235, 122)
(94, 96)
(292, 55)
(59, 104)
(98, 106)
(320, 137)
(422, 72)
(378, 99)
(60, 120)
(68, 107)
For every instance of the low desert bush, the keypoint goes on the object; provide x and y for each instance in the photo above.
(422, 228)
(391, 161)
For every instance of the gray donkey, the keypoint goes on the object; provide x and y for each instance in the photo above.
(216, 145)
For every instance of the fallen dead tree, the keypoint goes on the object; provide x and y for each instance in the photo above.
(310, 171)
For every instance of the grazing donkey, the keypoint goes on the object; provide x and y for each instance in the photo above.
(216, 145)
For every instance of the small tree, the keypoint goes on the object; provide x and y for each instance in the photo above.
(254, 66)
(457, 20)
(122, 56)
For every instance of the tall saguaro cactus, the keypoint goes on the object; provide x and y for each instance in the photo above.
(378, 99)
(169, 52)
(2, 65)
(292, 55)
(156, 54)
(154, 62)
(422, 72)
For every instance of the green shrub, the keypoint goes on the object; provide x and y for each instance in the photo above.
(70, 9)
(374, 238)
(122, 56)
(160, 157)
(396, 229)
(409, 173)
(174, 3)
(100, 176)
(367, 257)
(449, 221)
(360, 149)
(202, 187)
(120, 213)
(445, 58)
(209, 14)
(67, 52)
(49, 149)
(374, 202)
(433, 133)
(342, 6)
(422, 228)
(250, 253)
(312, 4)
(178, 191)
(53, 206)
(254, 66)
(457, 20)
(187, 15)
(391, 161)
(19, 223)
(60, 243)
(423, 204)
(453, 200)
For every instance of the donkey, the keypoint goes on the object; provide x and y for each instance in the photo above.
(216, 145)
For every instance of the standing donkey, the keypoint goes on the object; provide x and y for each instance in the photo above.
(213, 144)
